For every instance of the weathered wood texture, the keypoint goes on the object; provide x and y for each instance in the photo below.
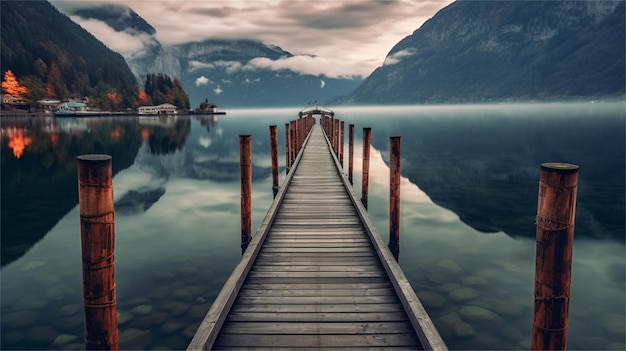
(556, 208)
(317, 280)
(97, 228)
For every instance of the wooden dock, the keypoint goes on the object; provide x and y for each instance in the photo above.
(317, 274)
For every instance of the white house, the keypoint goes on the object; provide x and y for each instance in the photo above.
(163, 109)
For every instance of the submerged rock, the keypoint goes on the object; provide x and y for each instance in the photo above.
(142, 310)
(456, 326)
(477, 313)
(64, 339)
(464, 294)
(450, 266)
(432, 299)
(19, 319)
(502, 307)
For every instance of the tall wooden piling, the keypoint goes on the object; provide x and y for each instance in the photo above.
(556, 208)
(287, 149)
(351, 153)
(341, 143)
(245, 162)
(97, 229)
(394, 196)
(274, 157)
(292, 139)
(367, 138)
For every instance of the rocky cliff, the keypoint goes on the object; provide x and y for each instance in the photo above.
(497, 50)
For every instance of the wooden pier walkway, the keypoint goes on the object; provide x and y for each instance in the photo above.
(317, 274)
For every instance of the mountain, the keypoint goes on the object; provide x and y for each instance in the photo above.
(227, 72)
(54, 57)
(474, 51)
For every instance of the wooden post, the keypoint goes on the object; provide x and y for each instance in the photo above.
(394, 196)
(556, 208)
(367, 138)
(341, 142)
(245, 162)
(97, 232)
(287, 149)
(336, 138)
(351, 153)
(294, 152)
(274, 157)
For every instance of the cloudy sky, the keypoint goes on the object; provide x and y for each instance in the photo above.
(332, 37)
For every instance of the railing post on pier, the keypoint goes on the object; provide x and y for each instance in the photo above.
(97, 228)
(274, 157)
(394, 196)
(367, 138)
(287, 149)
(556, 209)
(245, 162)
(336, 137)
(351, 153)
(341, 143)
(293, 152)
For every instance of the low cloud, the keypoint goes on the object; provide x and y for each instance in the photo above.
(218, 90)
(196, 65)
(202, 80)
(121, 42)
(398, 56)
(305, 64)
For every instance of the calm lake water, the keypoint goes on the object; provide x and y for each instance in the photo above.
(469, 196)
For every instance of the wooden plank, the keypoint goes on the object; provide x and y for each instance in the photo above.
(229, 341)
(301, 328)
(326, 308)
(290, 292)
(316, 268)
(314, 287)
(328, 317)
(301, 300)
(317, 275)
(316, 280)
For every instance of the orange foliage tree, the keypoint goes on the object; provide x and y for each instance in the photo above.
(11, 86)
(113, 97)
(144, 99)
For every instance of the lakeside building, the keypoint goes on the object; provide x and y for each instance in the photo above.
(163, 109)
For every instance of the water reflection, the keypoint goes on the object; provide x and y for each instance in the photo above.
(177, 228)
(487, 172)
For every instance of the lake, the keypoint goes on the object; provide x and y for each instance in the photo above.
(469, 194)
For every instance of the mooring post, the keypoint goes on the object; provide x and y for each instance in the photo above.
(294, 152)
(336, 137)
(351, 153)
(97, 232)
(274, 156)
(341, 143)
(245, 162)
(367, 138)
(394, 196)
(556, 209)
(287, 149)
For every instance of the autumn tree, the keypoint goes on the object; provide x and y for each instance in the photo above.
(11, 86)
(143, 98)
